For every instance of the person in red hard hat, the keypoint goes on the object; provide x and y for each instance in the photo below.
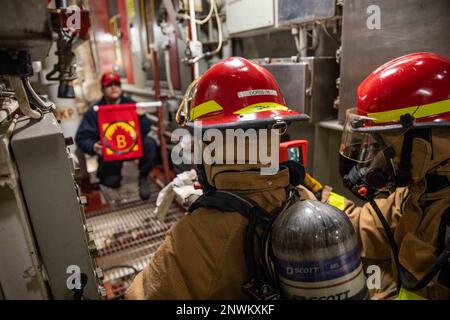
(204, 256)
(111, 87)
(395, 154)
(88, 138)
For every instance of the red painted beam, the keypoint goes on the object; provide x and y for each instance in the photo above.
(103, 38)
(126, 45)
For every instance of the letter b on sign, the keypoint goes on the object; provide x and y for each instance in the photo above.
(121, 141)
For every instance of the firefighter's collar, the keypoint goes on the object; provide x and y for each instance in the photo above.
(250, 180)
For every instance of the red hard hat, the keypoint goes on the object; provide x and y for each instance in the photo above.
(417, 84)
(237, 93)
(109, 78)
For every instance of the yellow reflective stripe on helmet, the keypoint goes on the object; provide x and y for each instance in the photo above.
(408, 295)
(204, 108)
(336, 200)
(422, 111)
(262, 106)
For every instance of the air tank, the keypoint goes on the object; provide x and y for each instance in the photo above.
(316, 253)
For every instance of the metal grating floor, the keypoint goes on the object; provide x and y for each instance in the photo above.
(125, 228)
(128, 192)
(127, 233)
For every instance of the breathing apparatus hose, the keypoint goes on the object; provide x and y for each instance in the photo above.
(265, 252)
(265, 246)
(402, 278)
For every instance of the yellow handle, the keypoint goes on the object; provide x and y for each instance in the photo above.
(312, 184)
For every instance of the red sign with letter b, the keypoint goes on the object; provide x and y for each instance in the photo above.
(119, 132)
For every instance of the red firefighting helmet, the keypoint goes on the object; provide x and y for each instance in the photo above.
(236, 93)
(110, 77)
(417, 84)
(415, 87)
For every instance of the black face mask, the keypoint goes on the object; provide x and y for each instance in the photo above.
(363, 180)
(368, 180)
(345, 165)
(353, 177)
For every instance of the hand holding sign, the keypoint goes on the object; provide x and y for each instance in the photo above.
(140, 111)
(98, 148)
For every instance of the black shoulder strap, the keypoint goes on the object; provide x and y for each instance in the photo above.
(443, 243)
(404, 171)
(231, 202)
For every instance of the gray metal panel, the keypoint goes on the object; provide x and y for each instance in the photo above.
(406, 26)
(282, 44)
(249, 15)
(20, 265)
(25, 25)
(302, 11)
(15, 260)
(308, 86)
(49, 191)
(324, 72)
(292, 79)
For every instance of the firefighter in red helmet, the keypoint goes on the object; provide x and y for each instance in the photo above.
(237, 94)
(395, 154)
(204, 255)
(88, 139)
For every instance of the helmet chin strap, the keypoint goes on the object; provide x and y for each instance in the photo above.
(202, 178)
(389, 166)
(403, 176)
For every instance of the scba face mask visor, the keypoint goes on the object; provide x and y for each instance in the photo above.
(366, 161)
